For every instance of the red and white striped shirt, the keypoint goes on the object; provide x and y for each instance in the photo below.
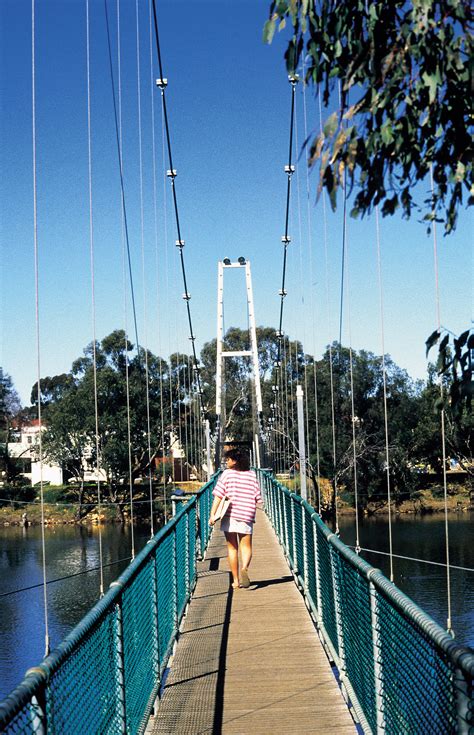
(243, 491)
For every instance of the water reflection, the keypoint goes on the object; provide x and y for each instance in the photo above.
(69, 550)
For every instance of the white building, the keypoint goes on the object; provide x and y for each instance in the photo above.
(23, 445)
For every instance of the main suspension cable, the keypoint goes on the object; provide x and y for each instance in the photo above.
(120, 162)
(172, 173)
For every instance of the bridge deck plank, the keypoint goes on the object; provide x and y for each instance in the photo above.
(250, 661)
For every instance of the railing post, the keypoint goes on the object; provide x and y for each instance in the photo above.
(175, 580)
(319, 616)
(377, 654)
(285, 522)
(463, 702)
(188, 565)
(156, 627)
(39, 724)
(120, 667)
(293, 530)
(305, 551)
(341, 663)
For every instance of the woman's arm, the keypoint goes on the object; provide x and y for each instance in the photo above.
(216, 502)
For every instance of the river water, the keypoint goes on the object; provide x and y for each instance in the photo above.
(72, 549)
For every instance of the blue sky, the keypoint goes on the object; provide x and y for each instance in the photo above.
(228, 103)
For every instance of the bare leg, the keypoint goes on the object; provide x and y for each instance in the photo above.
(233, 556)
(246, 550)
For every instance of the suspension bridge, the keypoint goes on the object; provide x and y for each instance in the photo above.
(321, 641)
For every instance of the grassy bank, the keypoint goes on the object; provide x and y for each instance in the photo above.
(58, 509)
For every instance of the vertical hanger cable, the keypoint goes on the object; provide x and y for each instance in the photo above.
(37, 321)
(93, 304)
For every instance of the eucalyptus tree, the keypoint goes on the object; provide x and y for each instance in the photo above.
(10, 405)
(112, 376)
(350, 428)
(401, 72)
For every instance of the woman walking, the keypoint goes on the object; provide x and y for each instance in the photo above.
(240, 485)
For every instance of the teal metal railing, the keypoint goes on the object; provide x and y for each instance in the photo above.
(402, 673)
(106, 674)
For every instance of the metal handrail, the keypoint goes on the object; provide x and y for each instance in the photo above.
(398, 669)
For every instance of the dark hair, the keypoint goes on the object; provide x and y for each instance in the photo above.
(241, 458)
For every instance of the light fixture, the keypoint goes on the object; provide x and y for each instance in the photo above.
(226, 261)
(241, 260)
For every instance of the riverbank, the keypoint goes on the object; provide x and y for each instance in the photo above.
(423, 503)
(61, 513)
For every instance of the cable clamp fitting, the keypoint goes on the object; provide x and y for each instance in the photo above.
(186, 296)
(282, 292)
(290, 169)
(171, 173)
(286, 239)
(279, 335)
(180, 243)
(162, 83)
(293, 79)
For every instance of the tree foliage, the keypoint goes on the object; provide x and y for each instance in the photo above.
(10, 405)
(347, 411)
(124, 444)
(403, 75)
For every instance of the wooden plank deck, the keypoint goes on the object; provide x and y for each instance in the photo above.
(250, 661)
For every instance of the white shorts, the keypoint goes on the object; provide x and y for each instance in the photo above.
(229, 525)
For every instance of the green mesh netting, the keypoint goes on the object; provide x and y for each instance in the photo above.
(326, 587)
(141, 671)
(311, 566)
(181, 566)
(165, 574)
(288, 527)
(415, 672)
(91, 672)
(192, 545)
(353, 595)
(298, 539)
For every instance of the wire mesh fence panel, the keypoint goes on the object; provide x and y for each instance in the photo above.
(298, 537)
(91, 669)
(203, 515)
(192, 546)
(288, 527)
(272, 506)
(167, 619)
(403, 673)
(326, 586)
(141, 670)
(354, 598)
(181, 565)
(310, 580)
(205, 499)
(415, 673)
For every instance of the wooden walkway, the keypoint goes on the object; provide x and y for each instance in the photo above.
(250, 661)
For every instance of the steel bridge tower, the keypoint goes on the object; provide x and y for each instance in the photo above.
(222, 354)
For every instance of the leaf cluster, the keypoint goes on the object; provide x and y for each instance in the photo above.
(403, 76)
(455, 361)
